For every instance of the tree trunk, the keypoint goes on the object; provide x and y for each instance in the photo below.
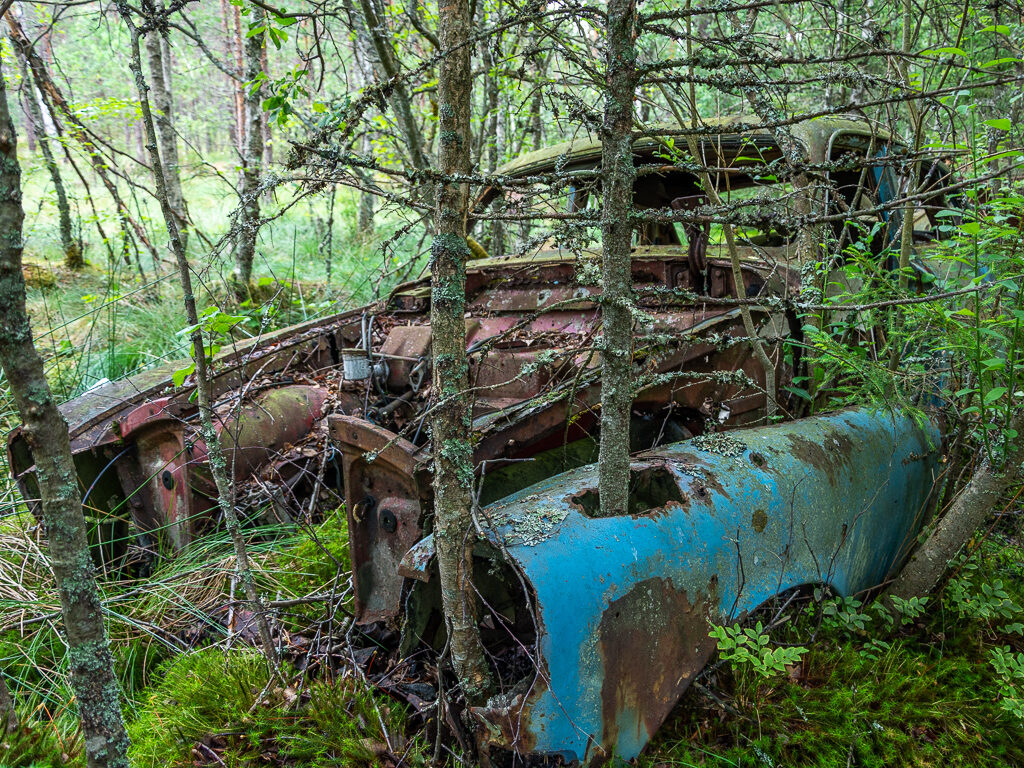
(366, 199)
(78, 131)
(92, 666)
(218, 465)
(8, 715)
(494, 240)
(965, 515)
(237, 45)
(362, 51)
(399, 94)
(618, 174)
(252, 160)
(73, 257)
(540, 66)
(268, 139)
(454, 534)
(163, 100)
(27, 111)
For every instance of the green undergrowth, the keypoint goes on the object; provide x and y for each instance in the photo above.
(318, 558)
(152, 621)
(40, 740)
(919, 690)
(228, 703)
(211, 702)
(919, 686)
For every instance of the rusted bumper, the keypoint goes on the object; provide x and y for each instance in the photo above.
(718, 525)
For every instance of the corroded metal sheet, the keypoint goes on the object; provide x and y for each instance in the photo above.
(622, 603)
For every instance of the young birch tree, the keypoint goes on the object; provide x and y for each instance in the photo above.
(453, 455)
(252, 157)
(158, 52)
(92, 667)
(618, 174)
(204, 379)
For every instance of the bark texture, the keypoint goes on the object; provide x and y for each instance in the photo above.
(218, 464)
(8, 715)
(92, 666)
(965, 516)
(618, 175)
(453, 458)
(73, 258)
(163, 100)
(252, 161)
(389, 69)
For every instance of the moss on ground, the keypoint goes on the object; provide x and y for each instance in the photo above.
(315, 558)
(213, 707)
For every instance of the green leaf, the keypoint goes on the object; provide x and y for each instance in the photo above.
(999, 29)
(949, 51)
(999, 156)
(799, 393)
(1001, 123)
(179, 376)
(997, 62)
(994, 394)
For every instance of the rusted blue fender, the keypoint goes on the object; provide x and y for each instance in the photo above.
(719, 524)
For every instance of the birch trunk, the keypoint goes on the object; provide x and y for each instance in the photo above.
(163, 101)
(73, 258)
(968, 512)
(399, 94)
(252, 161)
(78, 131)
(218, 464)
(92, 666)
(453, 458)
(618, 174)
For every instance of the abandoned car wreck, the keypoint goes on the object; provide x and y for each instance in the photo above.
(602, 621)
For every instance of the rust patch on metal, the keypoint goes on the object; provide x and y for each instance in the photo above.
(653, 642)
(760, 520)
(828, 457)
(505, 725)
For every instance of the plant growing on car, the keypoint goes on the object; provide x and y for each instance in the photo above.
(750, 647)
(216, 326)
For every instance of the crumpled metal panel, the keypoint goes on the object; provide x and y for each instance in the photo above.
(622, 603)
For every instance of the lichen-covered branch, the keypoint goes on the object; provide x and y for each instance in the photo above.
(616, 241)
(453, 456)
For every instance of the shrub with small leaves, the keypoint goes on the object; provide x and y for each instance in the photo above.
(845, 614)
(1009, 666)
(989, 603)
(750, 647)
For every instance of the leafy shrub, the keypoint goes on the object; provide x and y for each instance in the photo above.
(749, 647)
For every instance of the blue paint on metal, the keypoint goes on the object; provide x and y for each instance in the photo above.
(831, 500)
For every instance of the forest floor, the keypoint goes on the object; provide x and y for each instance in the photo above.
(931, 687)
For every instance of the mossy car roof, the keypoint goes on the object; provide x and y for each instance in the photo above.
(814, 134)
